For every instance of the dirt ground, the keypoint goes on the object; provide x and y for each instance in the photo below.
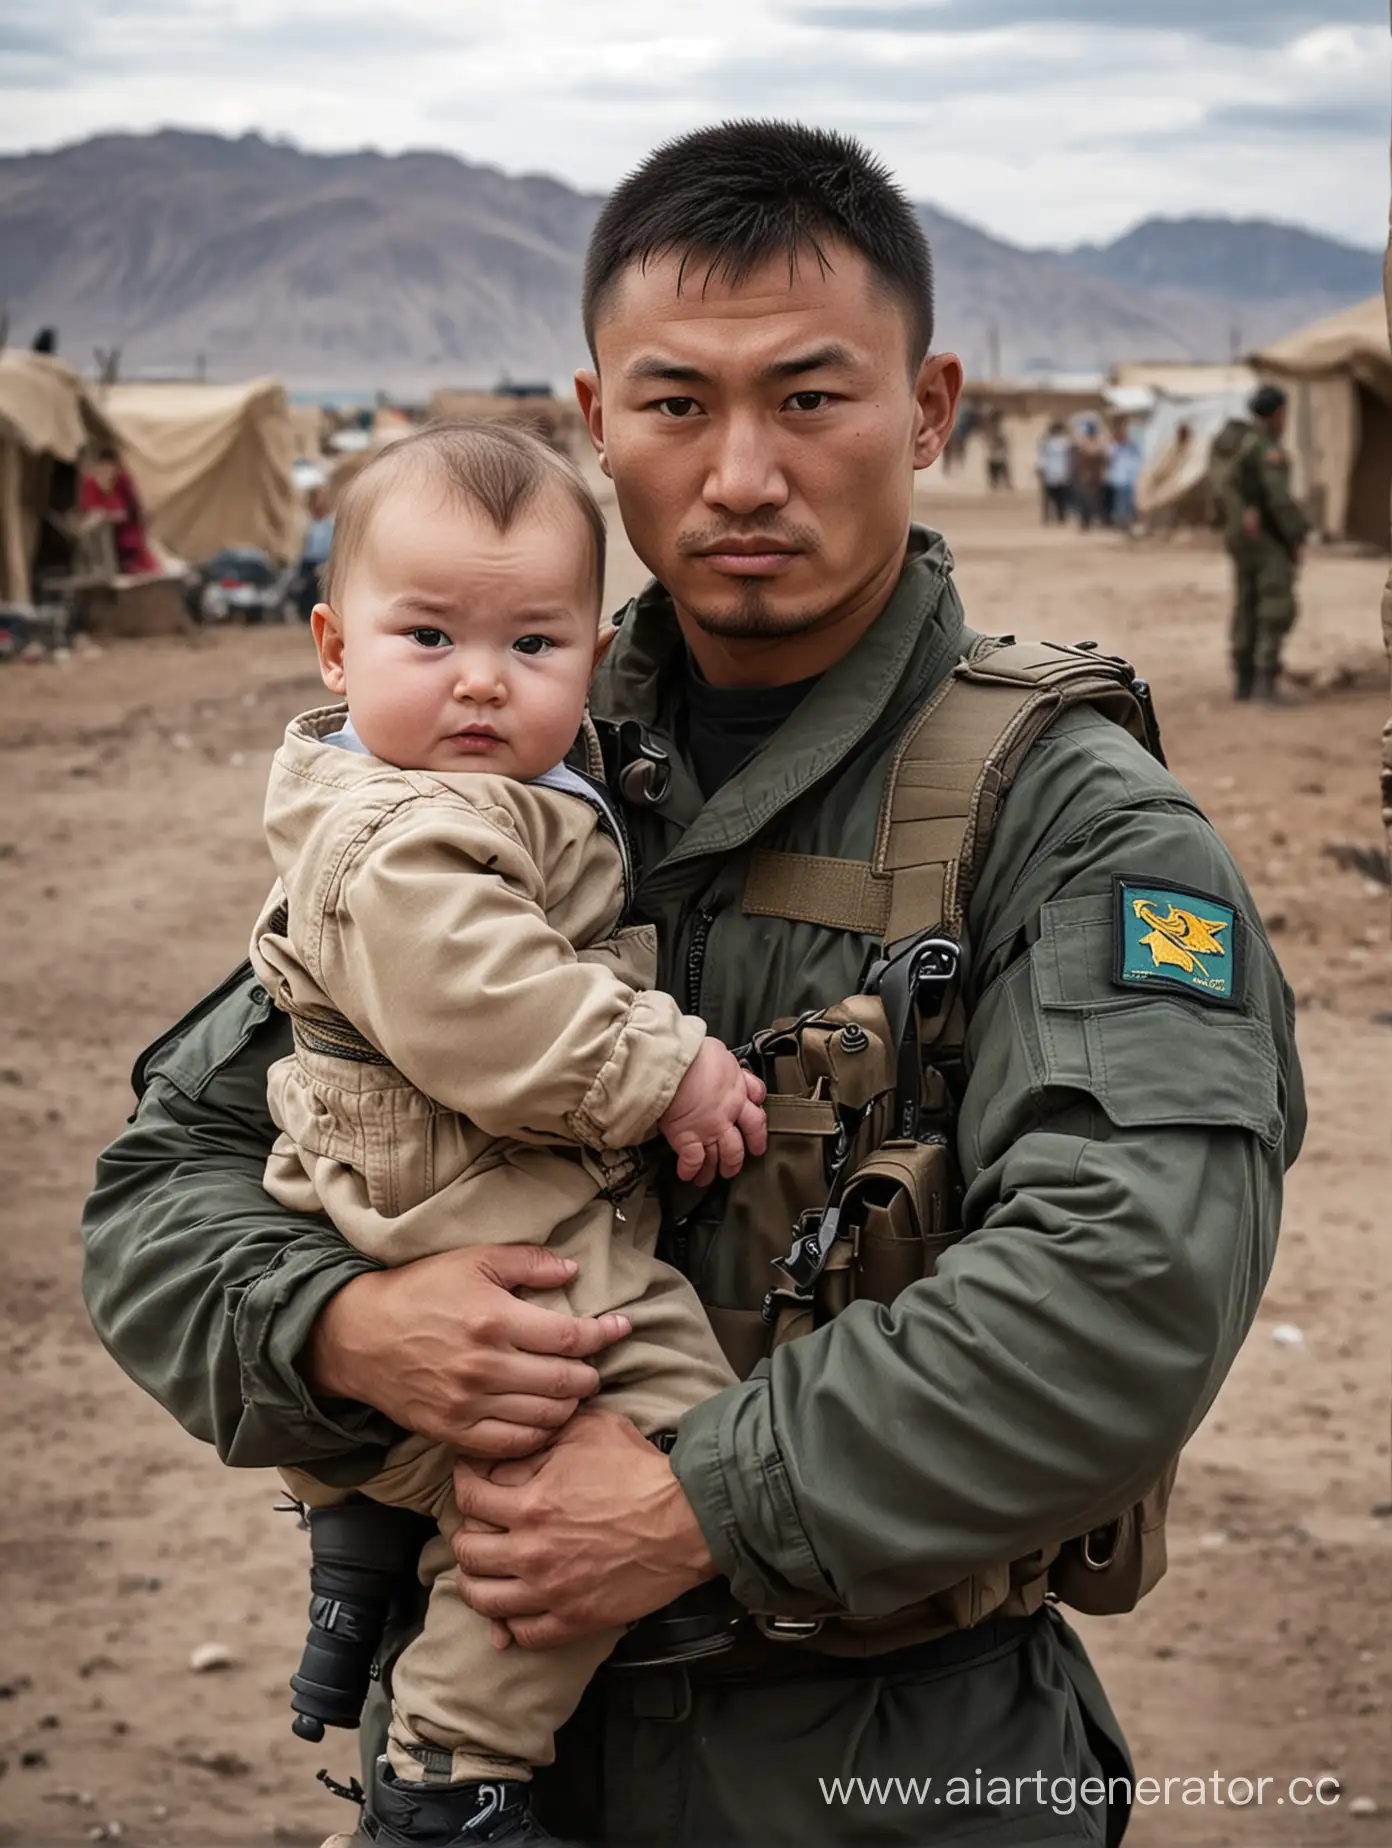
(131, 865)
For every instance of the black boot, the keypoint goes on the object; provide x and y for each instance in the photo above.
(1243, 677)
(1267, 686)
(401, 1815)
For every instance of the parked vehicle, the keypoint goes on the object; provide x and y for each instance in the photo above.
(243, 583)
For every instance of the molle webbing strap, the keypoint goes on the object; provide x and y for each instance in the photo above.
(841, 894)
(952, 770)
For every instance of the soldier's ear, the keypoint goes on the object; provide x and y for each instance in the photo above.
(590, 399)
(937, 390)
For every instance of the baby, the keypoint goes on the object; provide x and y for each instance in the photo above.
(479, 1050)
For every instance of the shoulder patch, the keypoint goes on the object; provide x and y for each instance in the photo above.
(1275, 455)
(1170, 937)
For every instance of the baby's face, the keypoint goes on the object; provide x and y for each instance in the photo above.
(462, 648)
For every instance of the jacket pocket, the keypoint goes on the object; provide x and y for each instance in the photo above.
(1148, 1059)
(192, 1052)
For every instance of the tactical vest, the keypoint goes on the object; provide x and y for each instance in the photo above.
(857, 1197)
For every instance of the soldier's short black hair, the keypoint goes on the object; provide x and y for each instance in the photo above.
(1266, 401)
(726, 199)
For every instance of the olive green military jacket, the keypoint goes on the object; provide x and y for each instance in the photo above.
(1259, 477)
(1122, 1146)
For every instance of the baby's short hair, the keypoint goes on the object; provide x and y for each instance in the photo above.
(498, 469)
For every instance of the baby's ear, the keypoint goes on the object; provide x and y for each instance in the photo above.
(328, 640)
(604, 641)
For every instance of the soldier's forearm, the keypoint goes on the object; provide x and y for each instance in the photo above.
(205, 1291)
(1032, 1389)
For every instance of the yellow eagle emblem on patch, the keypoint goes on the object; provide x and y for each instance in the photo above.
(1180, 938)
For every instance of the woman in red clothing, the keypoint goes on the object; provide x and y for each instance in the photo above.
(108, 492)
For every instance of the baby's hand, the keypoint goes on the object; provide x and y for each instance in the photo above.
(715, 1116)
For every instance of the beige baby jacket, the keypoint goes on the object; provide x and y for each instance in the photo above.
(468, 1008)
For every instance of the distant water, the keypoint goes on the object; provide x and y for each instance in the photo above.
(348, 398)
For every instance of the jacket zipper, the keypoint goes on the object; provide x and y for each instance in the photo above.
(696, 957)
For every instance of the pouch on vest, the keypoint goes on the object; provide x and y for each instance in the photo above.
(1109, 1570)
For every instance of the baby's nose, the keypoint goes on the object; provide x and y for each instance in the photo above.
(479, 680)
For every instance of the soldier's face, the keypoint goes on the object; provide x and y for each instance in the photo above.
(762, 438)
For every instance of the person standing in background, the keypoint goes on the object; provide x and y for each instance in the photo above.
(1123, 472)
(1053, 464)
(107, 494)
(1090, 453)
(1264, 531)
(997, 453)
(314, 552)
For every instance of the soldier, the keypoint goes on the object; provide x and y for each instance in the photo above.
(1264, 531)
(895, 1492)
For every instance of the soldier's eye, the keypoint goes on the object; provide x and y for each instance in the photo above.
(678, 408)
(429, 638)
(810, 400)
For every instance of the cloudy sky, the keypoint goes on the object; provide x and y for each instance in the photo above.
(1044, 120)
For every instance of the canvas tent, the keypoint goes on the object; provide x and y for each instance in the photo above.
(47, 418)
(213, 463)
(1339, 376)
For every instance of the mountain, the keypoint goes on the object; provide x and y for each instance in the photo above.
(363, 270)
(1041, 310)
(353, 269)
(1247, 260)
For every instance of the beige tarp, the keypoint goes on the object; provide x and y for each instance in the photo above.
(213, 464)
(1339, 376)
(1353, 342)
(46, 416)
(310, 425)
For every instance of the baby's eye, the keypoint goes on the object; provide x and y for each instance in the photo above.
(429, 638)
(533, 644)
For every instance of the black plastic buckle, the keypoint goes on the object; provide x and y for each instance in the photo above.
(816, 1234)
(1150, 718)
(817, 1227)
(776, 1299)
(635, 746)
(915, 982)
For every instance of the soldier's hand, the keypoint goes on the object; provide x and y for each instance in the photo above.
(445, 1349)
(592, 1534)
(1251, 522)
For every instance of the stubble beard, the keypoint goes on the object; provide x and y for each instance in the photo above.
(753, 618)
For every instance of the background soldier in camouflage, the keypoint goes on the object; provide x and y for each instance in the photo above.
(1264, 531)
